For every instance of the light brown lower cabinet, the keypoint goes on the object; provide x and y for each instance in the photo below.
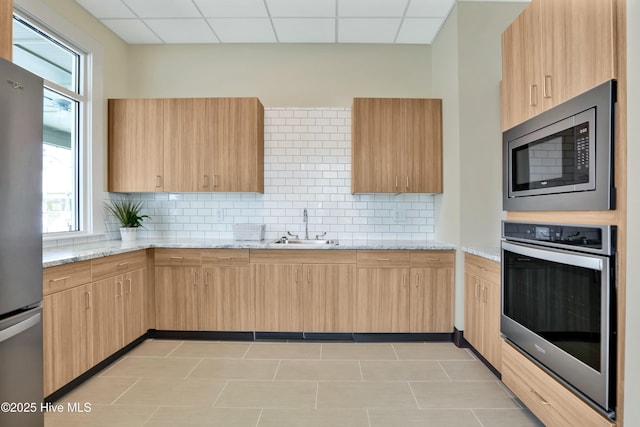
(177, 297)
(405, 291)
(328, 297)
(550, 401)
(278, 297)
(228, 303)
(84, 321)
(304, 290)
(68, 336)
(208, 289)
(482, 307)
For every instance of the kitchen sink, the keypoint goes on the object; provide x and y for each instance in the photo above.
(319, 242)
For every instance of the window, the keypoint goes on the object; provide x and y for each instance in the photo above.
(62, 68)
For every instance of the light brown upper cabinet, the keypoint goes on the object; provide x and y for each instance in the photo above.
(195, 144)
(135, 145)
(553, 51)
(396, 145)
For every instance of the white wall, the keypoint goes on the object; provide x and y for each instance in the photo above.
(466, 72)
(632, 337)
(281, 75)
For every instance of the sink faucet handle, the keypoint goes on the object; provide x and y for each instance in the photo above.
(318, 236)
(293, 235)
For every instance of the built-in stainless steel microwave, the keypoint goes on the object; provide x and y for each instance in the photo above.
(562, 159)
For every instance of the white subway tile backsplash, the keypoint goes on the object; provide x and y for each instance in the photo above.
(307, 165)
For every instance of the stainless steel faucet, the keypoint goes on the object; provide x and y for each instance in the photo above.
(306, 224)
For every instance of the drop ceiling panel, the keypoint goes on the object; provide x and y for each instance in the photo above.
(305, 30)
(370, 30)
(430, 8)
(371, 8)
(301, 8)
(418, 30)
(272, 21)
(182, 30)
(163, 8)
(102, 9)
(132, 31)
(240, 30)
(231, 8)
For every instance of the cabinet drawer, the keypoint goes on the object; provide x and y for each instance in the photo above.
(432, 259)
(225, 257)
(303, 256)
(59, 278)
(544, 396)
(110, 266)
(482, 267)
(177, 257)
(384, 259)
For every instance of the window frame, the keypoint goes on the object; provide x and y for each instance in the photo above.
(82, 165)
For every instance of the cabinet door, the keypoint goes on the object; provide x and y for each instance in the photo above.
(473, 311)
(329, 297)
(577, 47)
(236, 127)
(382, 300)
(421, 162)
(521, 68)
(228, 300)
(135, 145)
(278, 297)
(67, 319)
(134, 307)
(177, 291)
(187, 146)
(492, 341)
(376, 146)
(107, 324)
(431, 298)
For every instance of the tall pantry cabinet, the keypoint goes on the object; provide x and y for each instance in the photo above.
(553, 51)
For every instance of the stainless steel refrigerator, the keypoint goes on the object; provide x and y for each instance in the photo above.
(21, 389)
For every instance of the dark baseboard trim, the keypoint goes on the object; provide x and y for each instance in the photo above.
(256, 336)
(200, 335)
(458, 339)
(62, 391)
(486, 362)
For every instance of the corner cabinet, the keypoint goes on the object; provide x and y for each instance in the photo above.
(553, 51)
(91, 309)
(396, 145)
(186, 145)
(482, 307)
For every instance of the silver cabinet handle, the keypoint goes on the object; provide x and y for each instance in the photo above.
(533, 95)
(546, 87)
(19, 328)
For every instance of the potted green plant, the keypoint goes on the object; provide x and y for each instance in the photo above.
(127, 212)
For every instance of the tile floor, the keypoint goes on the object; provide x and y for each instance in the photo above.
(269, 384)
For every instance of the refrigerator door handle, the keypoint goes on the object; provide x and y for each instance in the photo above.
(19, 328)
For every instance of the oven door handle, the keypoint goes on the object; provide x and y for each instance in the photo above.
(592, 262)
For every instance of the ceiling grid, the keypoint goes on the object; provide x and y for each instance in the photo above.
(272, 21)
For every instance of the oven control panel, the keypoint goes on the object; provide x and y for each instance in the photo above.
(592, 238)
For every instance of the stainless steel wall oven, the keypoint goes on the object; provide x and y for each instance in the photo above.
(559, 303)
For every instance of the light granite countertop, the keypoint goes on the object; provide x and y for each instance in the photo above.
(492, 254)
(66, 254)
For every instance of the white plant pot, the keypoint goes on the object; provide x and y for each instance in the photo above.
(128, 234)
